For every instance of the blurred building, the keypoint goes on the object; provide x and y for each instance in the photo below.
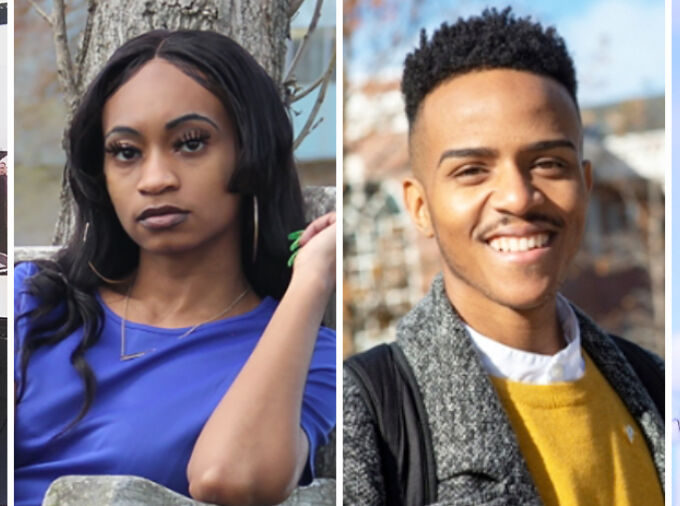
(617, 277)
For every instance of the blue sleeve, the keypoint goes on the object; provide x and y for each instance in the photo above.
(23, 303)
(318, 403)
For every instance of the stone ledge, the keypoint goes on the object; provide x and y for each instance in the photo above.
(114, 490)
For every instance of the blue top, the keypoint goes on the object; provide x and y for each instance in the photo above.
(147, 412)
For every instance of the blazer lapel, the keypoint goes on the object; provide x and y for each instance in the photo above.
(471, 433)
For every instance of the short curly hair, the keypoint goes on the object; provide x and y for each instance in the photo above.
(492, 40)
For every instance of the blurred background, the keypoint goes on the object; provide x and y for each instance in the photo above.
(40, 111)
(618, 49)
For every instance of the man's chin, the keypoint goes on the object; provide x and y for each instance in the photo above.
(524, 300)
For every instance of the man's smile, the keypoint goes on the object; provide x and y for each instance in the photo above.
(513, 244)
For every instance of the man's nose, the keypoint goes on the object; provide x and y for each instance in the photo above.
(514, 191)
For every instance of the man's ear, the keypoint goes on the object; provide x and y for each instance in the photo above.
(415, 200)
(587, 174)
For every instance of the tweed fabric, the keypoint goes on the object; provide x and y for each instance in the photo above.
(477, 456)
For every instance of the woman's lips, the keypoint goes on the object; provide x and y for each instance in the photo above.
(159, 218)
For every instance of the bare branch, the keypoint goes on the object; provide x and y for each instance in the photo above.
(42, 13)
(310, 124)
(64, 61)
(84, 43)
(294, 7)
(312, 26)
(308, 90)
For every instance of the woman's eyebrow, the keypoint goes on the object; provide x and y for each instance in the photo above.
(190, 117)
(122, 130)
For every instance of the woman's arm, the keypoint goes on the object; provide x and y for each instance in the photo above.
(252, 450)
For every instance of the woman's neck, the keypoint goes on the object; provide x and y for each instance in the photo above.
(182, 289)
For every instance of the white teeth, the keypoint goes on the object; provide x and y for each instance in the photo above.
(518, 244)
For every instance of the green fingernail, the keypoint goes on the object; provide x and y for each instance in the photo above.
(292, 258)
(295, 235)
(295, 245)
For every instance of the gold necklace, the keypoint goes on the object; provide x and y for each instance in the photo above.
(124, 356)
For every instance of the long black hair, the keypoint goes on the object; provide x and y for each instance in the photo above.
(66, 286)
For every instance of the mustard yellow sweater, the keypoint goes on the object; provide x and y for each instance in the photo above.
(581, 445)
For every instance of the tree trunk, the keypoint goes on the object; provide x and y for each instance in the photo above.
(260, 26)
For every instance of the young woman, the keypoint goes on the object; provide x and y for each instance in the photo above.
(169, 339)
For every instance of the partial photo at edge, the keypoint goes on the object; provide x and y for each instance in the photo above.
(4, 120)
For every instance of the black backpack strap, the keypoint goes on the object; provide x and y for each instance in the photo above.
(390, 391)
(647, 368)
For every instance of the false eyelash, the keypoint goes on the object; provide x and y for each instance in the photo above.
(115, 147)
(191, 135)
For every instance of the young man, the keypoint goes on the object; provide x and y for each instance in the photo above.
(524, 399)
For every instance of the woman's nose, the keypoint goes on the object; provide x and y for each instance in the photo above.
(158, 174)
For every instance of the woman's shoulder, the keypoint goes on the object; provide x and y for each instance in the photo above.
(23, 271)
(27, 293)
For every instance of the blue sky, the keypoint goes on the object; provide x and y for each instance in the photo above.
(617, 45)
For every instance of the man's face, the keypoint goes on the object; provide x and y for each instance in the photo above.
(500, 183)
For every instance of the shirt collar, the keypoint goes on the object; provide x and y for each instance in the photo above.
(510, 363)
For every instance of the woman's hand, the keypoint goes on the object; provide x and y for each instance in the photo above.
(316, 257)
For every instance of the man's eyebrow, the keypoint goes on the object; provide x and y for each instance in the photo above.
(551, 144)
(122, 130)
(488, 152)
(467, 153)
(190, 117)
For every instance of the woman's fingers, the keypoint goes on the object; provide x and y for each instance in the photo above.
(317, 226)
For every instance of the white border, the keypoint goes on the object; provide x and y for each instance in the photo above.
(668, 251)
(339, 72)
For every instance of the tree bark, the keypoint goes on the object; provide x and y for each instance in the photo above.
(261, 27)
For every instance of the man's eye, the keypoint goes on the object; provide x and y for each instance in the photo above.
(470, 174)
(471, 171)
(550, 164)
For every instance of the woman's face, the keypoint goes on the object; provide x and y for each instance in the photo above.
(170, 150)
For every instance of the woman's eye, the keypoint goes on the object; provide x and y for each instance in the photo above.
(191, 143)
(122, 152)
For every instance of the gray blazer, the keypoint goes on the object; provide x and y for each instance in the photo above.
(477, 456)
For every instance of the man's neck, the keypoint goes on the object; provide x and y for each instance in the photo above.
(535, 329)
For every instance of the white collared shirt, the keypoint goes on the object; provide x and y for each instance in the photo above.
(505, 362)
